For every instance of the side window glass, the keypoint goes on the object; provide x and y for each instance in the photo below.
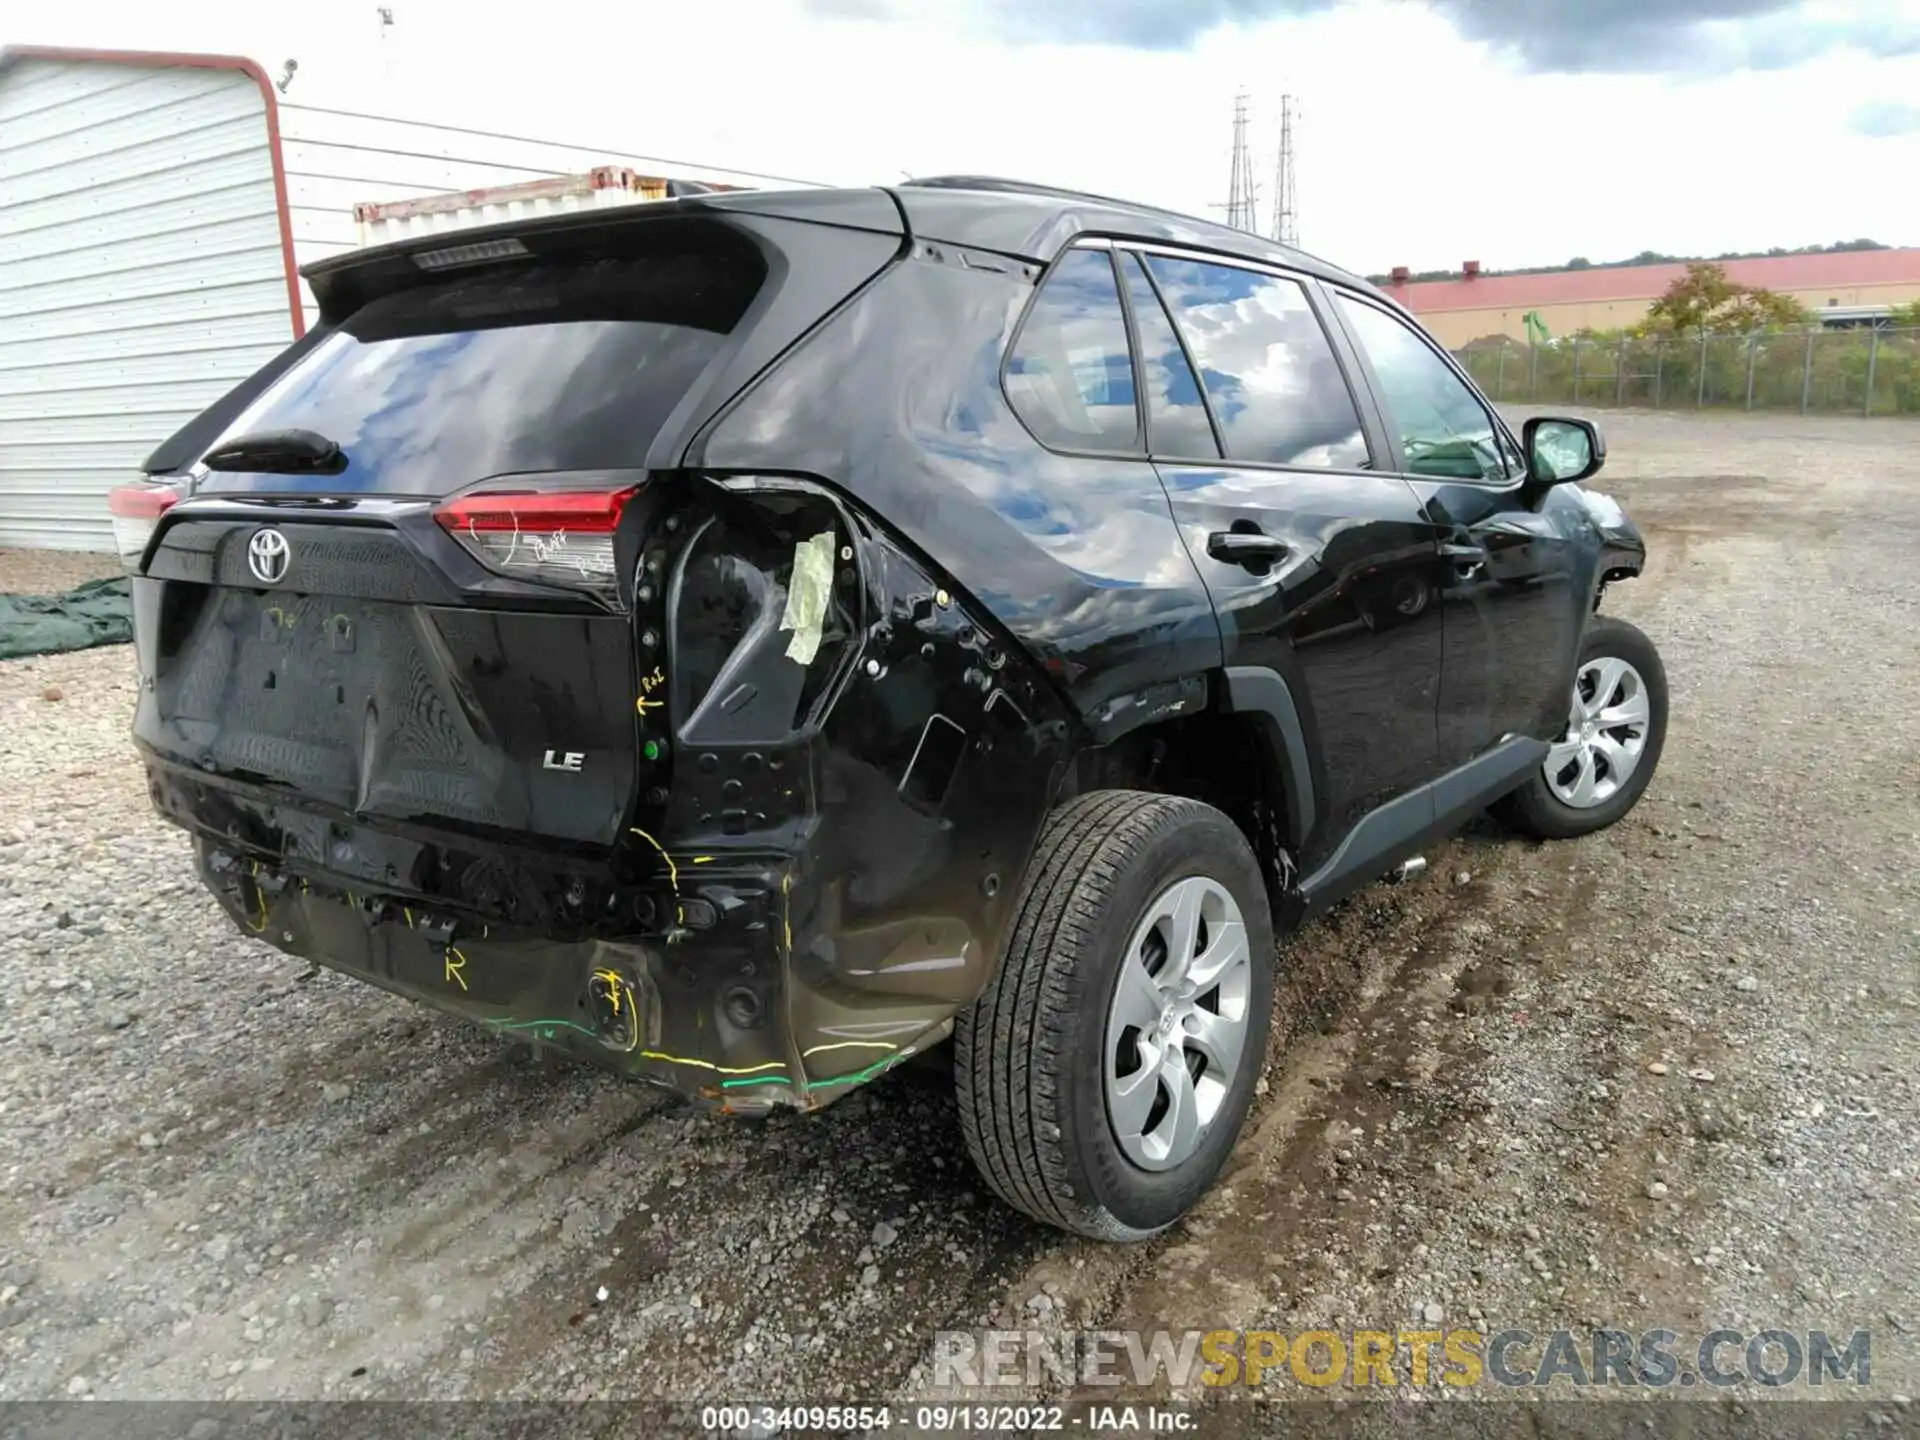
(1443, 427)
(1268, 367)
(1176, 415)
(1069, 376)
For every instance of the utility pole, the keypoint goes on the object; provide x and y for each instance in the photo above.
(1242, 203)
(384, 14)
(1286, 219)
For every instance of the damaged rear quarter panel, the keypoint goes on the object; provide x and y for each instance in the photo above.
(897, 402)
(875, 806)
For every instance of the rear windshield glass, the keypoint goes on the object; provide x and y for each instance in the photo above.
(504, 369)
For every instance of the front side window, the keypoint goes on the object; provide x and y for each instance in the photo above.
(1269, 370)
(1069, 375)
(1442, 425)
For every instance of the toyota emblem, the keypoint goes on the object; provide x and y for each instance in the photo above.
(267, 556)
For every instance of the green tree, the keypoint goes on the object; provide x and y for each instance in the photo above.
(1905, 317)
(1756, 309)
(1705, 299)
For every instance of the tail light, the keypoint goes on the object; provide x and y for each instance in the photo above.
(555, 537)
(136, 510)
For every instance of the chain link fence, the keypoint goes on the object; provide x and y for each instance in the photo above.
(1862, 372)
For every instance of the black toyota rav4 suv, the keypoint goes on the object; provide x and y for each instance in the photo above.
(748, 640)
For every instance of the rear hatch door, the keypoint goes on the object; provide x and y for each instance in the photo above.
(432, 628)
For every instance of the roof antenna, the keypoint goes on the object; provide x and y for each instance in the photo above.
(287, 67)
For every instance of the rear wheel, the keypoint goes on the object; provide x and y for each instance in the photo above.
(1617, 724)
(1104, 1075)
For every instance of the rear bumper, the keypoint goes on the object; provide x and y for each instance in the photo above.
(704, 1013)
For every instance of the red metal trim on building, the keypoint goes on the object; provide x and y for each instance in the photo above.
(158, 59)
(1837, 270)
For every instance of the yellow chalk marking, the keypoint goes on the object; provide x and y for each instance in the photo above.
(642, 704)
(703, 859)
(707, 1065)
(850, 1045)
(616, 985)
(260, 896)
(409, 914)
(456, 962)
(673, 872)
(786, 912)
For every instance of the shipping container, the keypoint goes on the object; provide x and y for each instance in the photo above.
(604, 185)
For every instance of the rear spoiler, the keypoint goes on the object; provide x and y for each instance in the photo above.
(784, 220)
(342, 283)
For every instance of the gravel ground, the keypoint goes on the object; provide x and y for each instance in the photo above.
(52, 572)
(1666, 1076)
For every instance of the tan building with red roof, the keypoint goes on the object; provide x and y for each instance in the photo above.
(1842, 287)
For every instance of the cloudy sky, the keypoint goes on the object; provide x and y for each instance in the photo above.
(1515, 132)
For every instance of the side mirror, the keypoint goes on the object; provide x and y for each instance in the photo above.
(1560, 449)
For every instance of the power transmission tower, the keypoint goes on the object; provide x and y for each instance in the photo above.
(1286, 220)
(1242, 203)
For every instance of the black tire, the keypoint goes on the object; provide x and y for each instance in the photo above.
(1534, 809)
(1029, 1055)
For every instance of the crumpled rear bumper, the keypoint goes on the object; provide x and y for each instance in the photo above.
(704, 1013)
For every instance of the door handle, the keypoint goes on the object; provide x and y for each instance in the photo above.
(1468, 560)
(1245, 547)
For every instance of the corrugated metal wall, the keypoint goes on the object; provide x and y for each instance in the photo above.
(141, 275)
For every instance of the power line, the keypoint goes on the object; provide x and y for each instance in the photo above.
(529, 140)
(421, 155)
(388, 184)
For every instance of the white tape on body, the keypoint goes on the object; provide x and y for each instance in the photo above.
(807, 593)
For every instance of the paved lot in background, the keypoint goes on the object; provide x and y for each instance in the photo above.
(1663, 1076)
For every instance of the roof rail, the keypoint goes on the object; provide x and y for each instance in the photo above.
(1006, 186)
(1055, 192)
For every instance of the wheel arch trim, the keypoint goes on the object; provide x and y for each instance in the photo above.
(1263, 694)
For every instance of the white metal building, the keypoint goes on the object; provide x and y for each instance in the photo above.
(146, 265)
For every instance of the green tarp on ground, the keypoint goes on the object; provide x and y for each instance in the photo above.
(99, 612)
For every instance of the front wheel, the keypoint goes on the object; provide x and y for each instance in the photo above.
(1617, 724)
(1104, 1074)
